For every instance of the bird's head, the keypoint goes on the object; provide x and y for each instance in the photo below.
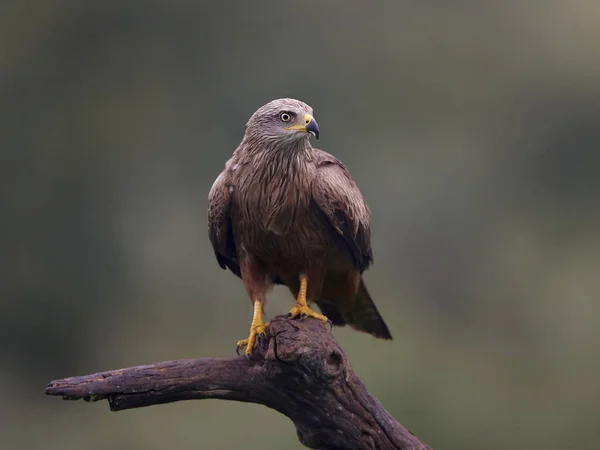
(285, 120)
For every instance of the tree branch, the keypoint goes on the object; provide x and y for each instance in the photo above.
(298, 370)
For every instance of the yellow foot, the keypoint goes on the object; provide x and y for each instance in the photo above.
(304, 311)
(257, 331)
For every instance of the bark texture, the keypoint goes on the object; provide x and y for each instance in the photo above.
(298, 370)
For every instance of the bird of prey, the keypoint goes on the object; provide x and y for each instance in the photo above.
(283, 212)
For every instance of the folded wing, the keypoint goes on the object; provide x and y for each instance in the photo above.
(337, 196)
(220, 230)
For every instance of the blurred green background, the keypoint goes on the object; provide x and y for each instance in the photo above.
(472, 129)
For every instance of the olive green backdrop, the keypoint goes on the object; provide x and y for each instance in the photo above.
(472, 129)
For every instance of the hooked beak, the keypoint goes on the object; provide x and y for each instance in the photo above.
(310, 126)
(313, 128)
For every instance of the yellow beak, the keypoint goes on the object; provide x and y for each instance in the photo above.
(310, 126)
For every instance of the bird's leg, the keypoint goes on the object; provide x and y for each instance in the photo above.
(301, 308)
(257, 330)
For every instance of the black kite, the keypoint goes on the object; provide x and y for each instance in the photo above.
(283, 212)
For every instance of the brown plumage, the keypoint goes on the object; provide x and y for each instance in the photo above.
(283, 212)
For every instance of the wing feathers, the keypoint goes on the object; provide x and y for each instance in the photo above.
(336, 194)
(220, 231)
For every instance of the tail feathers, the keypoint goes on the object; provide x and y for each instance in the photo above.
(363, 316)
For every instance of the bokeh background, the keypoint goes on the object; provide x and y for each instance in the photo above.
(472, 129)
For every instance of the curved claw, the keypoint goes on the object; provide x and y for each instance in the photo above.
(330, 325)
(257, 333)
(240, 345)
(302, 311)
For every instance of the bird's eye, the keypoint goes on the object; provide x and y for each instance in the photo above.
(285, 117)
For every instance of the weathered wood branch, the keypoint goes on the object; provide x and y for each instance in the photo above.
(298, 370)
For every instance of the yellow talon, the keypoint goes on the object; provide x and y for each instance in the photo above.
(301, 308)
(257, 329)
(304, 311)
